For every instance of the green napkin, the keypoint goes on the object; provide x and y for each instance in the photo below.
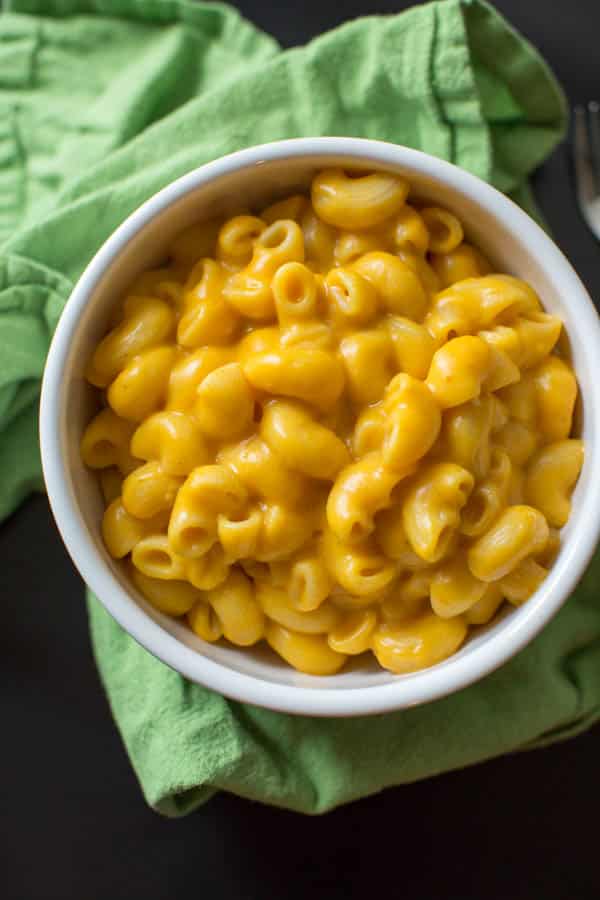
(102, 102)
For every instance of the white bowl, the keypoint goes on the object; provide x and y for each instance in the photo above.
(253, 177)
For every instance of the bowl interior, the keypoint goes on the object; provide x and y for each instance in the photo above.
(252, 187)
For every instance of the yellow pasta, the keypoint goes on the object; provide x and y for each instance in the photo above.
(550, 478)
(277, 606)
(154, 557)
(249, 291)
(309, 582)
(174, 598)
(105, 442)
(409, 230)
(467, 434)
(121, 531)
(239, 532)
(445, 230)
(258, 340)
(537, 335)
(314, 376)
(413, 346)
(408, 598)
(312, 333)
(149, 490)
(464, 261)
(361, 569)
(485, 303)
(147, 323)
(516, 486)
(263, 472)
(421, 268)
(454, 590)
(166, 283)
(284, 531)
(187, 373)
(350, 245)
(520, 400)
(502, 371)
(432, 506)
(359, 492)
(523, 581)
(224, 405)
(520, 531)
(207, 492)
(486, 608)
(413, 422)
(174, 439)
(207, 318)
(358, 202)
(296, 293)
(236, 238)
(369, 431)
(368, 364)
(458, 370)
(204, 622)
(489, 495)
(141, 387)
(319, 241)
(556, 391)
(352, 298)
(290, 208)
(329, 425)
(238, 610)
(353, 634)
(418, 643)
(518, 440)
(391, 537)
(399, 288)
(301, 442)
(308, 653)
(209, 570)
(548, 554)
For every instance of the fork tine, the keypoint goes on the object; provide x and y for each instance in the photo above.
(584, 172)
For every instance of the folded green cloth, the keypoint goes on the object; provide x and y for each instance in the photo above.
(102, 102)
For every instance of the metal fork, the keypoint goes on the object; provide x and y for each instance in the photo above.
(586, 159)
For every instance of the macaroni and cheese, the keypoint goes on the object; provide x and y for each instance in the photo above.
(332, 426)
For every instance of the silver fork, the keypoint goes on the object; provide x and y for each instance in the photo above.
(586, 158)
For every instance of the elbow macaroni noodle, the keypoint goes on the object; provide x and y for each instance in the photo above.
(331, 426)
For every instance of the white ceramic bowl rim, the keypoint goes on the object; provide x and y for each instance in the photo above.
(518, 629)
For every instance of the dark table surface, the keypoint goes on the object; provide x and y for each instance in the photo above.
(73, 821)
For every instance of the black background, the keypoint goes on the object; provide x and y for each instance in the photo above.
(73, 823)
